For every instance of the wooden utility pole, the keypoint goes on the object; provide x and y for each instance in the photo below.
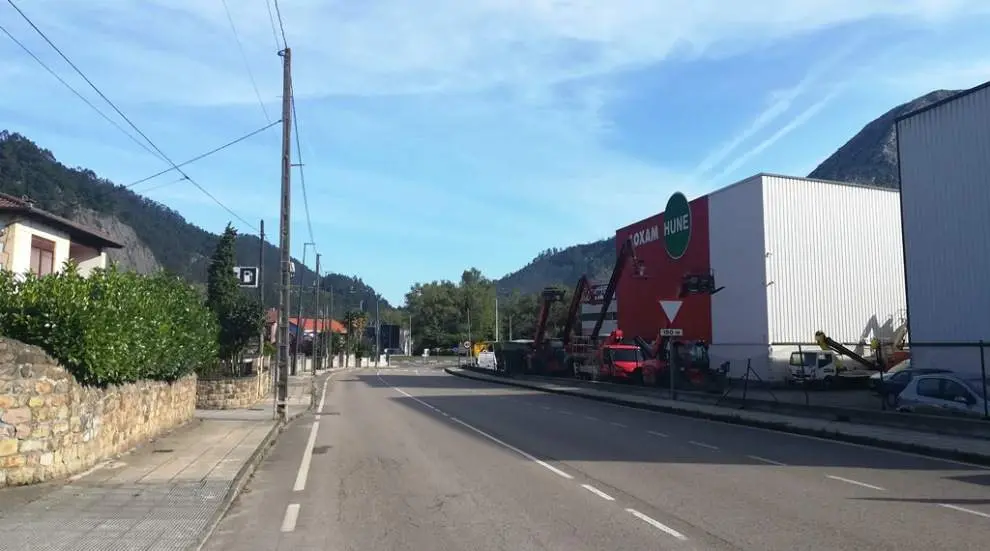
(284, 243)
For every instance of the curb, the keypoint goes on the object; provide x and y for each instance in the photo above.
(939, 453)
(244, 475)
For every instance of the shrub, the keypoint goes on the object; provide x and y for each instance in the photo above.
(112, 327)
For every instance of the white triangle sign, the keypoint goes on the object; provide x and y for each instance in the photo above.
(670, 308)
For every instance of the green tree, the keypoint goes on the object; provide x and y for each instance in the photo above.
(240, 317)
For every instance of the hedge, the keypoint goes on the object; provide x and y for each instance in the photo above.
(111, 327)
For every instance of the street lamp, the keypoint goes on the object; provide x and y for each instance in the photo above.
(300, 324)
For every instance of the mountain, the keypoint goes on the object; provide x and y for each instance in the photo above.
(154, 236)
(870, 157)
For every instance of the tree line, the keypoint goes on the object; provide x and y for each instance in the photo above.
(445, 313)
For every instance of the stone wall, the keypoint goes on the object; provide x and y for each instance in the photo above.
(233, 392)
(52, 427)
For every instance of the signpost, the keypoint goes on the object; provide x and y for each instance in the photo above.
(670, 309)
(677, 225)
(247, 276)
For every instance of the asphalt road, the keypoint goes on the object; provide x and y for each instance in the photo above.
(413, 460)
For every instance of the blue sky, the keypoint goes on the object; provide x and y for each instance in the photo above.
(442, 134)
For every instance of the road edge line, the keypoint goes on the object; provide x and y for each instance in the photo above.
(908, 447)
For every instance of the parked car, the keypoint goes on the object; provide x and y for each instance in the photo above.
(891, 386)
(945, 394)
(875, 378)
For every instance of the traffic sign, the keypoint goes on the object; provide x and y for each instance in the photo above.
(670, 308)
(466, 345)
(247, 276)
(671, 332)
(677, 225)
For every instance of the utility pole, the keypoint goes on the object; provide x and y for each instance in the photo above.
(261, 297)
(496, 318)
(378, 329)
(319, 318)
(284, 252)
(300, 323)
(330, 342)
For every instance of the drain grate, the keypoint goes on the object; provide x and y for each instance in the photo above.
(163, 450)
(317, 450)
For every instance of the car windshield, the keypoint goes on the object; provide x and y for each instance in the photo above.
(979, 387)
(625, 355)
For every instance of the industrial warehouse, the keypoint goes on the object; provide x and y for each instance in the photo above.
(789, 257)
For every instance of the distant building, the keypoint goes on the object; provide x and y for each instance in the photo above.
(39, 242)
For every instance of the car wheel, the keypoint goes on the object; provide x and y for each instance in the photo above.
(891, 399)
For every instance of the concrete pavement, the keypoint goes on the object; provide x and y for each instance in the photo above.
(418, 459)
(165, 495)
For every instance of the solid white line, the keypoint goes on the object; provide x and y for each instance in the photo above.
(290, 518)
(964, 510)
(856, 482)
(505, 445)
(657, 524)
(307, 459)
(768, 461)
(597, 492)
(614, 424)
(702, 445)
(655, 433)
(323, 398)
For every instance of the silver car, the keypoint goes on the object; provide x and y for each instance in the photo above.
(945, 395)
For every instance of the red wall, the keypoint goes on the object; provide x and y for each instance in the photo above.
(639, 299)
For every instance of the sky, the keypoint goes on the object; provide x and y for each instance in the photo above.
(437, 135)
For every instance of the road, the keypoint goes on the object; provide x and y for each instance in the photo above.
(407, 459)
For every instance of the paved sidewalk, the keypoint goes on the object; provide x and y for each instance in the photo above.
(948, 447)
(165, 495)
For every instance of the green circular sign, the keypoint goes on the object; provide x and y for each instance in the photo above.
(677, 225)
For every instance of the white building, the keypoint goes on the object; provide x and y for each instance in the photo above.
(38, 242)
(944, 157)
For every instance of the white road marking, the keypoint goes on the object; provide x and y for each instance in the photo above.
(765, 460)
(548, 408)
(307, 459)
(323, 398)
(480, 432)
(590, 418)
(856, 482)
(657, 524)
(964, 510)
(565, 412)
(655, 433)
(614, 424)
(597, 492)
(702, 445)
(290, 518)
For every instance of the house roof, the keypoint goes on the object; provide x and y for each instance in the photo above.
(319, 326)
(77, 232)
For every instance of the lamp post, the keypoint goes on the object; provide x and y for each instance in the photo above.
(300, 324)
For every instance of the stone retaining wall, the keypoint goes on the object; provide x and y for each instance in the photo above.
(234, 392)
(52, 427)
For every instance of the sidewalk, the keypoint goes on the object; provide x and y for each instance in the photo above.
(948, 447)
(165, 495)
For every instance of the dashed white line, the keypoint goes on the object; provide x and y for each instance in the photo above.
(767, 461)
(307, 459)
(855, 482)
(590, 417)
(565, 412)
(548, 408)
(658, 434)
(657, 524)
(597, 492)
(702, 445)
(476, 430)
(615, 424)
(290, 518)
(964, 510)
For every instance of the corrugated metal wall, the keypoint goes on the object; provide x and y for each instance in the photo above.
(834, 260)
(739, 311)
(945, 179)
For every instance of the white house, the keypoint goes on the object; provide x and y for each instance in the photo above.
(39, 242)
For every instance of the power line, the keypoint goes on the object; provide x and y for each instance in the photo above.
(240, 46)
(281, 24)
(302, 175)
(271, 19)
(123, 116)
(204, 155)
(78, 94)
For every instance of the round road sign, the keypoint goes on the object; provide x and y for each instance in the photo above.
(677, 225)
(467, 344)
